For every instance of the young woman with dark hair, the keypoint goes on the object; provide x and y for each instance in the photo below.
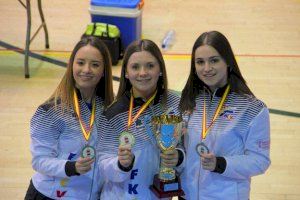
(130, 156)
(228, 131)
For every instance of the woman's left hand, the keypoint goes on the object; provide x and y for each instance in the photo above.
(169, 158)
(208, 161)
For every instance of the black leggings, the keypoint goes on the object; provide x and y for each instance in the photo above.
(33, 194)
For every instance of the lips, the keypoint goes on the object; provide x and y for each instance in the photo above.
(208, 75)
(143, 80)
(85, 77)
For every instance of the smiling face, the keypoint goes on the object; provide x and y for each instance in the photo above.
(143, 73)
(88, 68)
(210, 67)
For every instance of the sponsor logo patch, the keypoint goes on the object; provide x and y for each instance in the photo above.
(228, 113)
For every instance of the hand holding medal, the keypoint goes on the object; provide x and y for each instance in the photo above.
(209, 161)
(127, 139)
(125, 156)
(83, 165)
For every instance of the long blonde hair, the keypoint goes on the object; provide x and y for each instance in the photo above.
(64, 92)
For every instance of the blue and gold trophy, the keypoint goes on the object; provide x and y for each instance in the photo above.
(167, 131)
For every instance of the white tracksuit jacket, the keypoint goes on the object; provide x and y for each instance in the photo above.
(56, 137)
(135, 183)
(241, 135)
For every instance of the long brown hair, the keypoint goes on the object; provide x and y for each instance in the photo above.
(151, 47)
(193, 86)
(104, 89)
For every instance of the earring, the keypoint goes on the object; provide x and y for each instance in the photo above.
(126, 76)
(160, 74)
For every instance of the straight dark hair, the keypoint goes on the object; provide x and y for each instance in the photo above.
(193, 86)
(152, 48)
(104, 89)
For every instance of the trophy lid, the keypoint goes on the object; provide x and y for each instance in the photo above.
(166, 119)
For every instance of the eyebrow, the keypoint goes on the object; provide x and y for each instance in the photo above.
(134, 63)
(197, 58)
(147, 62)
(97, 61)
(82, 59)
(215, 57)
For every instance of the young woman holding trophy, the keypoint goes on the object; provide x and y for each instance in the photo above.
(65, 129)
(130, 154)
(228, 132)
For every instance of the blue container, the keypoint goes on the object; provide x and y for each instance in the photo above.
(125, 14)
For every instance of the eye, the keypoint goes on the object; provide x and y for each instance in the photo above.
(80, 62)
(150, 65)
(214, 60)
(200, 62)
(135, 66)
(96, 64)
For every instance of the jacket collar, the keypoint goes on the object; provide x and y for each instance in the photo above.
(218, 92)
(138, 101)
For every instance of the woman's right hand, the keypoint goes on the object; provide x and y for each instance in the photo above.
(83, 165)
(125, 156)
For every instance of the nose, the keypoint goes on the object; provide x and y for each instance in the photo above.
(143, 71)
(86, 68)
(207, 67)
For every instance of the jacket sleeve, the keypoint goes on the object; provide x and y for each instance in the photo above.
(182, 144)
(256, 158)
(181, 162)
(44, 145)
(110, 169)
(108, 154)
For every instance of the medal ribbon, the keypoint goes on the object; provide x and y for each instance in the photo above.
(144, 106)
(86, 131)
(205, 129)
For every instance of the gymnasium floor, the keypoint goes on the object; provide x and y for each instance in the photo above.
(265, 36)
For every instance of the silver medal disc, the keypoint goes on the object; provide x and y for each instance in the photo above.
(126, 138)
(88, 151)
(202, 148)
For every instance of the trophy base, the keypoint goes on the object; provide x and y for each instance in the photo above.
(163, 189)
